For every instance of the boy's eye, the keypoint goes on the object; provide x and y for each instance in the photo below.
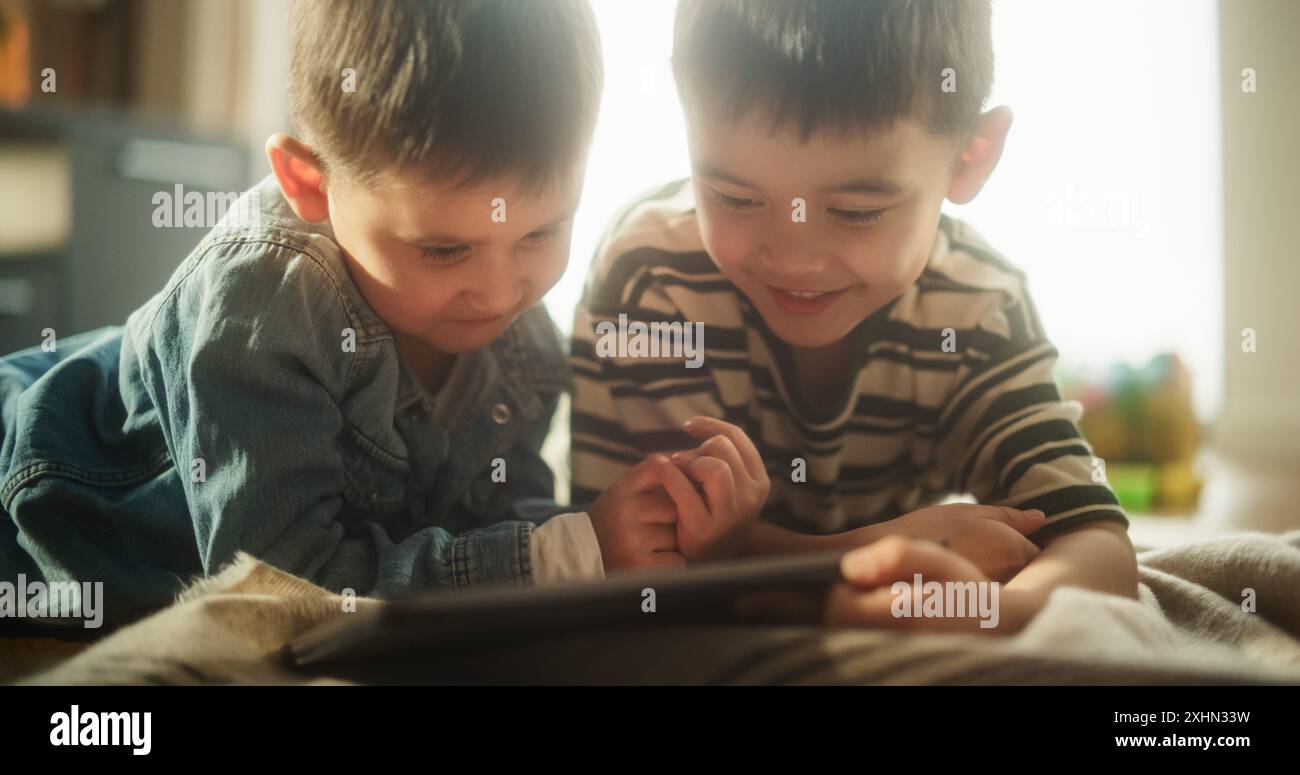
(445, 254)
(540, 237)
(733, 202)
(856, 217)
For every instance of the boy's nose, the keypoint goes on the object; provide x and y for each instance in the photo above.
(499, 289)
(790, 259)
(791, 249)
(497, 301)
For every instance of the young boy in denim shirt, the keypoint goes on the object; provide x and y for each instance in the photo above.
(865, 354)
(351, 376)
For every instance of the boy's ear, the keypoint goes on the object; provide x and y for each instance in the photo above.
(299, 173)
(980, 156)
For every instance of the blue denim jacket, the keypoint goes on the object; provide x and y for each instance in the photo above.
(230, 413)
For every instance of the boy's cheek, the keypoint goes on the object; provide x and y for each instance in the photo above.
(411, 310)
(557, 266)
(389, 285)
(728, 248)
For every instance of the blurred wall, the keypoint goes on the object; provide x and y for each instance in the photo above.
(1261, 268)
(224, 72)
(151, 94)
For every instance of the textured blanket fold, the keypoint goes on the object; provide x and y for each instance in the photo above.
(1193, 624)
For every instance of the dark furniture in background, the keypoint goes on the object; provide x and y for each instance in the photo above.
(112, 258)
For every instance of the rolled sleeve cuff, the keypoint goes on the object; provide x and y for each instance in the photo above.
(565, 547)
(494, 555)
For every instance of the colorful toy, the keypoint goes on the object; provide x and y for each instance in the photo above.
(1142, 424)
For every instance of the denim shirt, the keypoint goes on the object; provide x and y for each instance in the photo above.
(257, 403)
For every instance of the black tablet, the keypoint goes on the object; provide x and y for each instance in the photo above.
(785, 589)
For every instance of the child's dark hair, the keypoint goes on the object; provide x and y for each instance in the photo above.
(466, 90)
(837, 64)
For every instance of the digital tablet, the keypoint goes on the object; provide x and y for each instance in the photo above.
(786, 589)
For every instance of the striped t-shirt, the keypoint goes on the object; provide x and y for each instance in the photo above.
(951, 393)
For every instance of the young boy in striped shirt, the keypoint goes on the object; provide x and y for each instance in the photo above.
(864, 355)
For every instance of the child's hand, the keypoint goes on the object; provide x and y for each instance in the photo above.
(634, 519)
(992, 537)
(735, 483)
(877, 574)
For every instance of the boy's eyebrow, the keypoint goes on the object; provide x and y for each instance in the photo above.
(449, 239)
(430, 239)
(856, 186)
(867, 186)
(567, 215)
(710, 170)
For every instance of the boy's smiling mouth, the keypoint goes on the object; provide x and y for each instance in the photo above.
(473, 322)
(804, 302)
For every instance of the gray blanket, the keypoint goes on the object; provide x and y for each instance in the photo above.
(1222, 610)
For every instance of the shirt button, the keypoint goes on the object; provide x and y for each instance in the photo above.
(500, 414)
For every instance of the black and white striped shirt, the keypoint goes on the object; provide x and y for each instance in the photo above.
(922, 420)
